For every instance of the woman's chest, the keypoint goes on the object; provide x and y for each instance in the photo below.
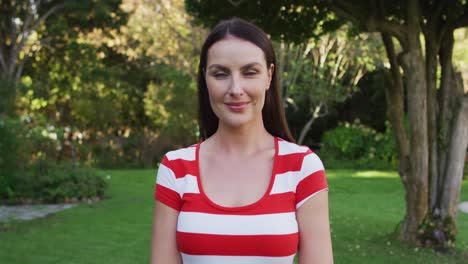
(272, 233)
(234, 183)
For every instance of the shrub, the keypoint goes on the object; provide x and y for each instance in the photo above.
(361, 145)
(10, 151)
(48, 182)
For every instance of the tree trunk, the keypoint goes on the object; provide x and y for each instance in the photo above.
(416, 185)
(446, 101)
(417, 181)
(453, 132)
(438, 118)
(431, 78)
(308, 125)
(394, 95)
(456, 155)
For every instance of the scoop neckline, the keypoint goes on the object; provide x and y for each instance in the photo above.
(236, 208)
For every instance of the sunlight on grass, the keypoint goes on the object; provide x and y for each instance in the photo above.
(375, 174)
(333, 173)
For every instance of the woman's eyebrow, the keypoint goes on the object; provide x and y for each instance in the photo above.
(221, 67)
(218, 66)
(251, 65)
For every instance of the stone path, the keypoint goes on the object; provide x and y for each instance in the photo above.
(28, 212)
(463, 207)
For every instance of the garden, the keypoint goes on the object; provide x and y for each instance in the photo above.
(94, 93)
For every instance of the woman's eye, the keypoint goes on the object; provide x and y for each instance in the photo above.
(250, 73)
(220, 75)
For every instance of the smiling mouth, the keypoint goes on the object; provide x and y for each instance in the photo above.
(237, 106)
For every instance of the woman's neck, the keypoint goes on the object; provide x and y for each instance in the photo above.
(244, 140)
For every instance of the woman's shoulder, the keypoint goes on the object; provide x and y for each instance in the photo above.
(297, 155)
(288, 148)
(185, 153)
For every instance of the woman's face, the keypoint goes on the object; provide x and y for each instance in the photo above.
(237, 78)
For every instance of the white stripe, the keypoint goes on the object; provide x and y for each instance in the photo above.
(308, 197)
(166, 177)
(195, 259)
(310, 164)
(185, 154)
(285, 148)
(267, 224)
(186, 184)
(285, 182)
(288, 181)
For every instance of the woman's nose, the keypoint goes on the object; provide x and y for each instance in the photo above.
(236, 88)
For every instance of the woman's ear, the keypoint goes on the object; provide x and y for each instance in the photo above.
(270, 74)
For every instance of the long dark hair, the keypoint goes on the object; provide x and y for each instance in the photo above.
(273, 114)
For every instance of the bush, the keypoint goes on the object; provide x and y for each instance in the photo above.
(10, 151)
(48, 182)
(360, 145)
(28, 167)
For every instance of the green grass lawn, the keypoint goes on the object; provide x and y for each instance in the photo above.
(365, 208)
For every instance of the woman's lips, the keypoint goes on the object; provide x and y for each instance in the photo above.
(237, 106)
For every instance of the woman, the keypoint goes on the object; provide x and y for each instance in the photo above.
(246, 193)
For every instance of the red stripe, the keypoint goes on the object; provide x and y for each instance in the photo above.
(225, 245)
(310, 185)
(290, 162)
(181, 167)
(168, 197)
(271, 204)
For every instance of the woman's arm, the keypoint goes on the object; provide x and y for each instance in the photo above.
(164, 244)
(314, 229)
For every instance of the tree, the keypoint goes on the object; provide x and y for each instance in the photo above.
(432, 154)
(161, 36)
(163, 31)
(323, 71)
(27, 26)
(431, 160)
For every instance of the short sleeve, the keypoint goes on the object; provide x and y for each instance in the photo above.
(166, 190)
(312, 178)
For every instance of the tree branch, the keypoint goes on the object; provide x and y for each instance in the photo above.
(27, 29)
(11, 58)
(341, 9)
(16, 49)
(354, 14)
(19, 70)
(49, 12)
(395, 97)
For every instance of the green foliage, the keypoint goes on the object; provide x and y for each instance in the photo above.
(437, 233)
(322, 72)
(29, 148)
(7, 96)
(360, 144)
(49, 182)
(169, 104)
(10, 144)
(289, 20)
(136, 149)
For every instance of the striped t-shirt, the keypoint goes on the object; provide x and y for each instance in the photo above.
(263, 232)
